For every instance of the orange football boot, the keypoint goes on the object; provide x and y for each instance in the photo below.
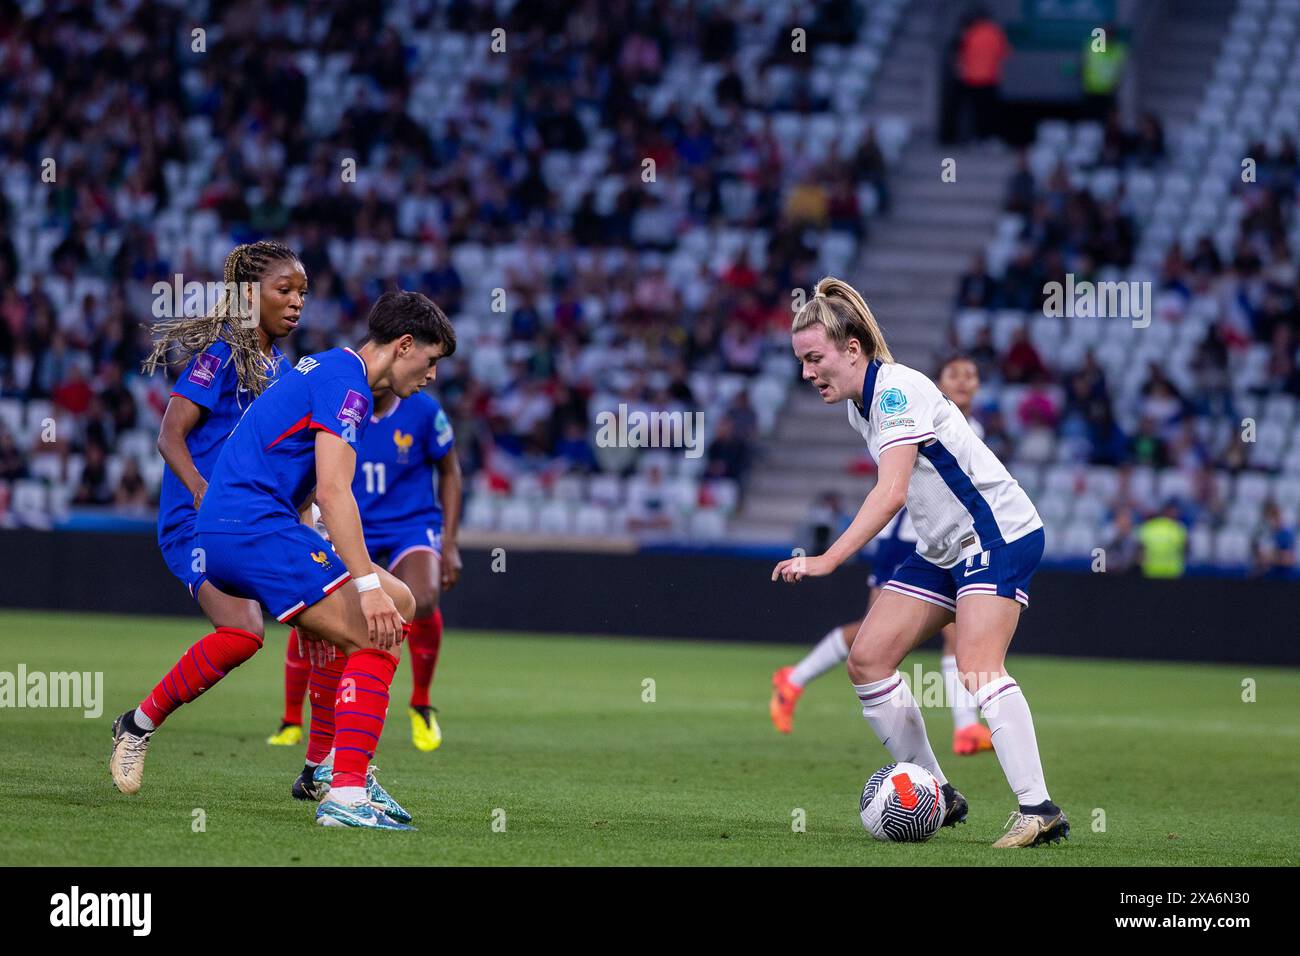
(784, 696)
(971, 739)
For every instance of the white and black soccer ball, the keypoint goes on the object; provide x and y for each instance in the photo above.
(903, 803)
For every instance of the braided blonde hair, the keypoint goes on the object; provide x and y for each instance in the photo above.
(192, 335)
(838, 308)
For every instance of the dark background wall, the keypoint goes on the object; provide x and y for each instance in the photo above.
(709, 597)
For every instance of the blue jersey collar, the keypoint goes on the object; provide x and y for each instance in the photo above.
(869, 387)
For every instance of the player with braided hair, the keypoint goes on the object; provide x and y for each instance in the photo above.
(230, 358)
(258, 276)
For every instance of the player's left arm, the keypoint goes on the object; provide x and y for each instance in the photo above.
(449, 490)
(881, 504)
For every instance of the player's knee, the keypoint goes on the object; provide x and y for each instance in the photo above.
(403, 600)
(426, 602)
(866, 663)
(974, 671)
(861, 670)
(252, 623)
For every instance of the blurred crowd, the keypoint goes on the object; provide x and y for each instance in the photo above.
(165, 156)
(1230, 326)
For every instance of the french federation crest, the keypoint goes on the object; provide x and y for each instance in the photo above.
(403, 441)
(893, 401)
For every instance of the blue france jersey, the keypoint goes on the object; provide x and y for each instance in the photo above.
(268, 465)
(211, 382)
(395, 464)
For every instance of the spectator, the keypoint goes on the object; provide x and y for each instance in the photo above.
(1163, 540)
(1022, 363)
(13, 467)
(728, 455)
(1274, 548)
(982, 52)
(1147, 447)
(826, 521)
(977, 289)
(1103, 60)
(93, 487)
(1122, 550)
(131, 494)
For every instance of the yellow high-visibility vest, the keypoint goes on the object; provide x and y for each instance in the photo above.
(1101, 71)
(1164, 545)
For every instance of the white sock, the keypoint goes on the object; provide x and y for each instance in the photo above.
(347, 794)
(829, 653)
(964, 709)
(142, 720)
(1012, 726)
(891, 711)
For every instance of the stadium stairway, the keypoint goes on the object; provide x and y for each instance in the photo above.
(908, 273)
(1173, 73)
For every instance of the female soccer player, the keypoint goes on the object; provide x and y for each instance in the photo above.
(979, 541)
(295, 442)
(959, 380)
(407, 448)
(231, 362)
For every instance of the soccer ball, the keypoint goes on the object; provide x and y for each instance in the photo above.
(903, 803)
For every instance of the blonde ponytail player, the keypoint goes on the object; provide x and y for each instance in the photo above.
(979, 541)
(959, 380)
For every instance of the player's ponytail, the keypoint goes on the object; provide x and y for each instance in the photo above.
(182, 337)
(838, 308)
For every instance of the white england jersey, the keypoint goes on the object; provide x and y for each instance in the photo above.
(960, 498)
(900, 527)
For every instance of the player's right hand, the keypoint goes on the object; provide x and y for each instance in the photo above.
(198, 495)
(794, 570)
(383, 623)
(315, 648)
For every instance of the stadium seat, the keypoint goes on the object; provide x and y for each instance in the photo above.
(1232, 547)
(518, 516)
(708, 524)
(480, 513)
(555, 517)
(591, 520)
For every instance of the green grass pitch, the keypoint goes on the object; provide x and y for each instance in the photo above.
(554, 732)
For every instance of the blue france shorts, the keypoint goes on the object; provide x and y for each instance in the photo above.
(180, 552)
(889, 554)
(397, 542)
(1004, 571)
(285, 570)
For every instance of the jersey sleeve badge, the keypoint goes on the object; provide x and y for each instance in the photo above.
(204, 371)
(892, 401)
(354, 410)
(442, 428)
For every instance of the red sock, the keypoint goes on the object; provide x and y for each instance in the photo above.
(297, 671)
(425, 641)
(359, 711)
(205, 663)
(324, 687)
